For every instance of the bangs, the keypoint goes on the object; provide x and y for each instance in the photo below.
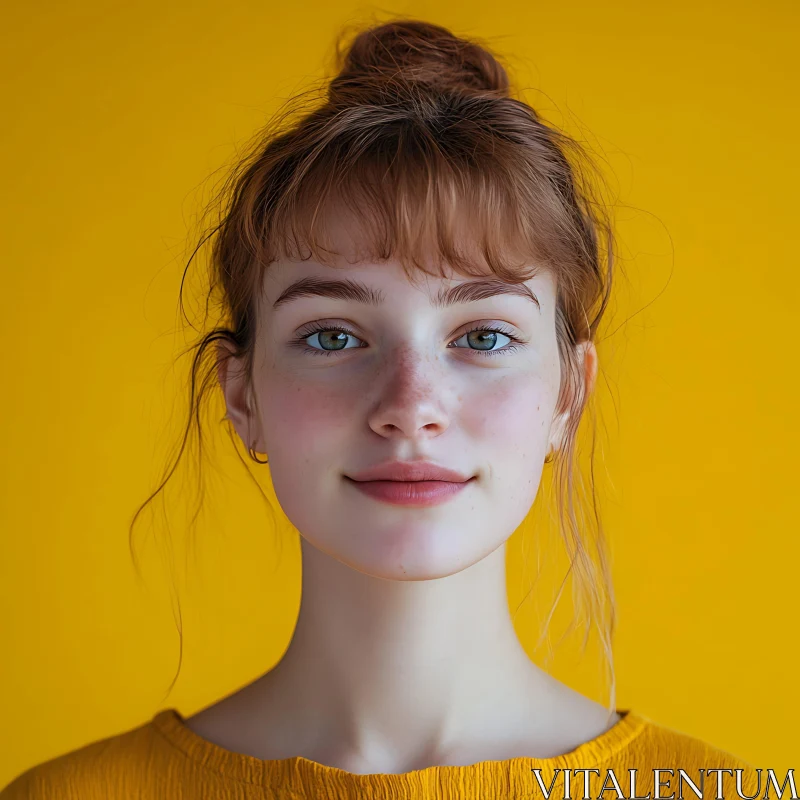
(435, 207)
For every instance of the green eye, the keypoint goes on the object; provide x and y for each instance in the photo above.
(331, 339)
(328, 340)
(483, 339)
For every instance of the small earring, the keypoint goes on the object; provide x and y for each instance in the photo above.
(254, 456)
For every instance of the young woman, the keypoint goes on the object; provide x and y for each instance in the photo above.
(414, 272)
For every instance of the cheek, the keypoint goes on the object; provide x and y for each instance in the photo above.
(296, 414)
(516, 410)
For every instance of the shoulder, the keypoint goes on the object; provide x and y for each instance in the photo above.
(662, 753)
(665, 741)
(113, 767)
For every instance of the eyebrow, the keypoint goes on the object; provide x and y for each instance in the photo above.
(349, 289)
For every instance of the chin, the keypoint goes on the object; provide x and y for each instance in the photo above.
(413, 551)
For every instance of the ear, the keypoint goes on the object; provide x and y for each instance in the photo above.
(233, 380)
(587, 356)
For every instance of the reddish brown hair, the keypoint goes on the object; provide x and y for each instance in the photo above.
(419, 137)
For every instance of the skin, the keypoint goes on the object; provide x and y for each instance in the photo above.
(404, 655)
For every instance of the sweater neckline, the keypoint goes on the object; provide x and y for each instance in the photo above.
(488, 780)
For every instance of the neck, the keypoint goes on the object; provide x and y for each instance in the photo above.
(405, 668)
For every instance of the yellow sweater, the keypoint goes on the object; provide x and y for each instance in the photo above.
(163, 758)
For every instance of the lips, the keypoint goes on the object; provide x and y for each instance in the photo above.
(410, 483)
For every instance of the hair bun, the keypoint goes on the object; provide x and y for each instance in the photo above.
(418, 53)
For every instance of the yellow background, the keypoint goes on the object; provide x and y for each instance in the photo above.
(116, 114)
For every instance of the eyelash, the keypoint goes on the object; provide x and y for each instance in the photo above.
(300, 341)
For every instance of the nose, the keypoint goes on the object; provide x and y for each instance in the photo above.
(411, 399)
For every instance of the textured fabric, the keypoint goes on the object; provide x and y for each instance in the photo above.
(163, 758)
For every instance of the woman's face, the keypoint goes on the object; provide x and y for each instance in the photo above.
(379, 370)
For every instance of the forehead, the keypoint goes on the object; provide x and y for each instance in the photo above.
(355, 255)
(371, 240)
